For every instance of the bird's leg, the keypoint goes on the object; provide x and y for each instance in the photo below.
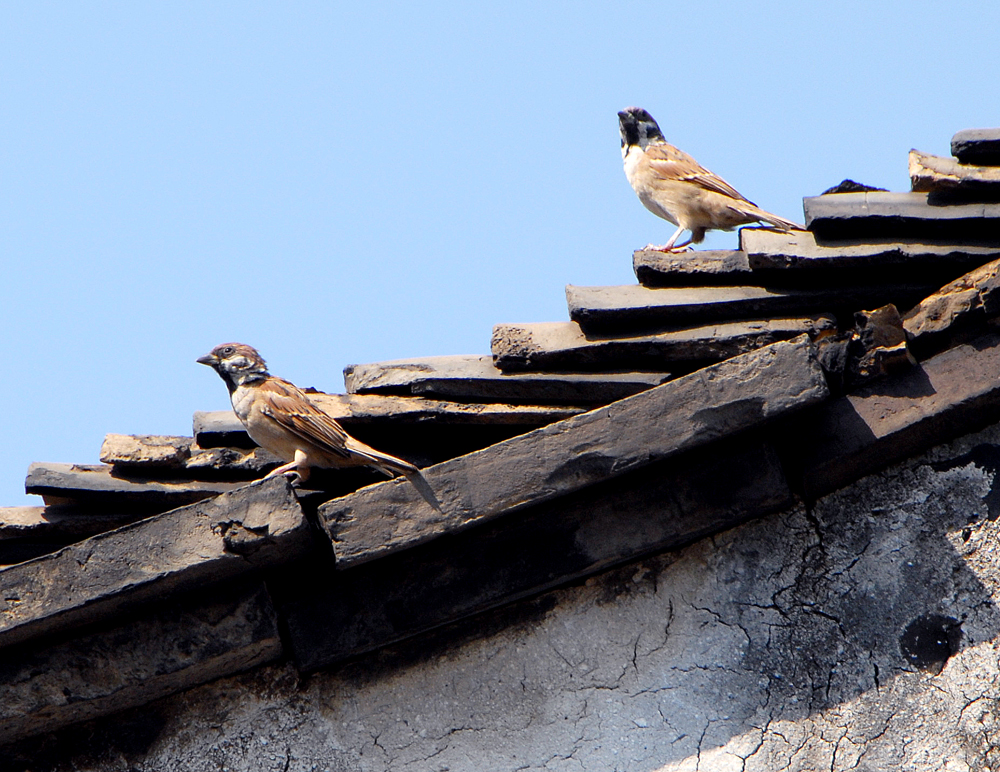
(298, 468)
(302, 468)
(670, 246)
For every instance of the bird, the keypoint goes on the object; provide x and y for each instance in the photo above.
(672, 185)
(281, 418)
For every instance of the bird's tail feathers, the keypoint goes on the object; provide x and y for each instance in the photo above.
(388, 465)
(777, 222)
(391, 466)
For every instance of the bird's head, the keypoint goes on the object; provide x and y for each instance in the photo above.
(237, 363)
(638, 128)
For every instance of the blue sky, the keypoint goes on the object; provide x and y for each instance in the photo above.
(336, 185)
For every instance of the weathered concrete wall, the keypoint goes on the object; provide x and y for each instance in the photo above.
(814, 639)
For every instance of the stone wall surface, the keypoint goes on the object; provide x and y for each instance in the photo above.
(860, 633)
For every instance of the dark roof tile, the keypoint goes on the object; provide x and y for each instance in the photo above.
(726, 398)
(977, 146)
(475, 378)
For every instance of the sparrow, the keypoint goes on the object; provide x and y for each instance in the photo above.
(279, 417)
(672, 185)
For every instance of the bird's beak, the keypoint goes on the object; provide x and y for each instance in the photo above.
(208, 359)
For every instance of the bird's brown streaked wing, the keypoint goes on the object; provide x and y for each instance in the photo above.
(664, 151)
(673, 164)
(289, 406)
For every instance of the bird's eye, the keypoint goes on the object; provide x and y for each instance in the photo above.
(228, 351)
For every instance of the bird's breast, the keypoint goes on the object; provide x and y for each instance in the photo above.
(242, 399)
(262, 430)
(649, 187)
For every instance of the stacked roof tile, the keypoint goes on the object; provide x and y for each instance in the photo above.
(723, 386)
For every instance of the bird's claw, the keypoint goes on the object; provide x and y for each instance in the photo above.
(667, 248)
(293, 473)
